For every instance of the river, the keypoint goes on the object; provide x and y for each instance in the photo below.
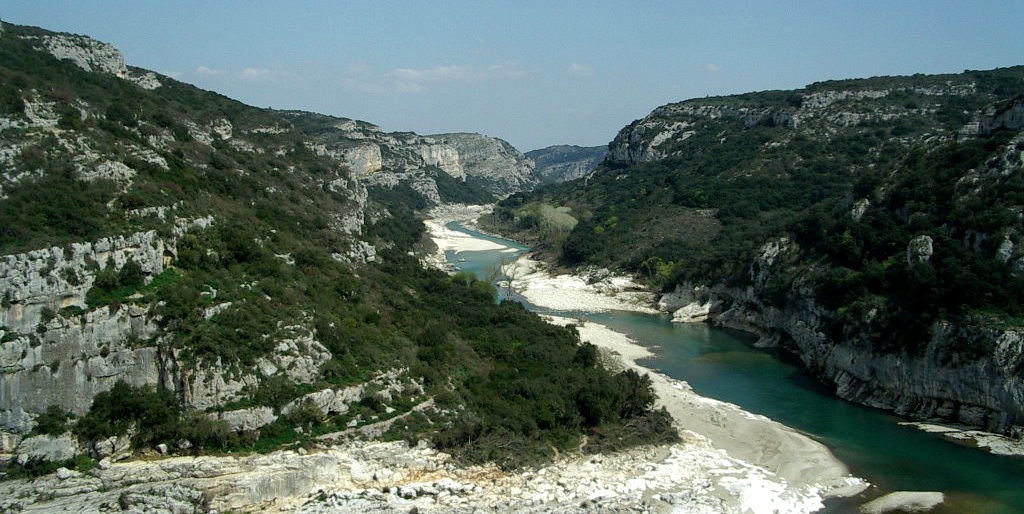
(724, 365)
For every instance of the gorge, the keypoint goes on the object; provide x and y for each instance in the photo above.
(209, 306)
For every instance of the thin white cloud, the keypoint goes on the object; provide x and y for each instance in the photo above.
(713, 68)
(437, 74)
(203, 70)
(580, 70)
(254, 73)
(412, 80)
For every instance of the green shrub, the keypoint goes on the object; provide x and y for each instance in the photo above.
(154, 412)
(53, 421)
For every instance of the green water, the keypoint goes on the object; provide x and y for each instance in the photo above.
(723, 365)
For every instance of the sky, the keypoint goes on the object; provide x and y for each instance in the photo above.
(535, 73)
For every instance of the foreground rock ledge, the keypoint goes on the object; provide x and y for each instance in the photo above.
(393, 477)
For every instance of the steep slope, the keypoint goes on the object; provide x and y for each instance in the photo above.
(444, 168)
(186, 272)
(492, 163)
(566, 162)
(870, 226)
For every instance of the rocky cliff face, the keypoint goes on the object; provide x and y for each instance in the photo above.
(93, 56)
(55, 350)
(491, 162)
(386, 159)
(821, 110)
(937, 382)
(566, 162)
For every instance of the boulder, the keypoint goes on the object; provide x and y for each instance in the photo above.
(903, 501)
(47, 448)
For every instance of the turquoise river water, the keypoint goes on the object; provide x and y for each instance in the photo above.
(723, 365)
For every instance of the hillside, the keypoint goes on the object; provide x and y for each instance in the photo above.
(566, 162)
(872, 227)
(187, 273)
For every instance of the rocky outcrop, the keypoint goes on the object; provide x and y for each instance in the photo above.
(247, 420)
(54, 350)
(379, 158)
(363, 159)
(75, 358)
(820, 110)
(47, 448)
(55, 278)
(86, 53)
(919, 249)
(93, 56)
(492, 162)
(1010, 116)
(444, 156)
(944, 380)
(566, 162)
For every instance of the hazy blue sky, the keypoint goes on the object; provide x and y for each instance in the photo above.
(536, 73)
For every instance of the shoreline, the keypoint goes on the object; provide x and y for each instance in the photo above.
(761, 465)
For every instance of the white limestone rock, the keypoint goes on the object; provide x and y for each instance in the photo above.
(903, 501)
(760, 269)
(859, 208)
(86, 53)
(112, 446)
(696, 312)
(47, 448)
(147, 80)
(492, 161)
(682, 295)
(109, 170)
(247, 420)
(208, 384)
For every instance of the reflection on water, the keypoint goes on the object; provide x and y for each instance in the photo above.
(723, 365)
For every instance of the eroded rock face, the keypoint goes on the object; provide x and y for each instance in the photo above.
(47, 448)
(963, 374)
(379, 158)
(75, 359)
(247, 420)
(55, 278)
(493, 161)
(683, 128)
(86, 53)
(57, 352)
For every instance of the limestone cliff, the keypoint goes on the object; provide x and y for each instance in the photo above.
(492, 162)
(823, 110)
(92, 55)
(389, 158)
(566, 162)
(938, 381)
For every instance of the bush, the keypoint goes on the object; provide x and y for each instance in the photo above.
(53, 421)
(154, 413)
